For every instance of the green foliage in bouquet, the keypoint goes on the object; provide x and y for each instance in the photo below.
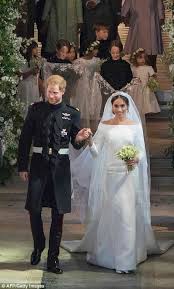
(126, 153)
(10, 107)
(169, 59)
(153, 84)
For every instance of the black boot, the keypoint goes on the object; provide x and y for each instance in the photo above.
(53, 265)
(35, 256)
(54, 243)
(38, 237)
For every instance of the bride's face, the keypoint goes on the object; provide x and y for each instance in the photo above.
(119, 107)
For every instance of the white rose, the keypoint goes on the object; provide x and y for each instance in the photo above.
(2, 95)
(13, 162)
(18, 131)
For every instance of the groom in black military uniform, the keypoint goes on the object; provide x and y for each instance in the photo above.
(50, 126)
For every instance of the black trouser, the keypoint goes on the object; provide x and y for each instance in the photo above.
(55, 232)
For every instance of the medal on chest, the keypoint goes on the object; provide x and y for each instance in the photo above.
(66, 116)
(64, 132)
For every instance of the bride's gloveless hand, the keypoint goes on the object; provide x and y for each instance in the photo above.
(133, 162)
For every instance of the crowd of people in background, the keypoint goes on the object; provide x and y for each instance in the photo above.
(85, 34)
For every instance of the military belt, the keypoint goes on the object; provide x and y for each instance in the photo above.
(63, 151)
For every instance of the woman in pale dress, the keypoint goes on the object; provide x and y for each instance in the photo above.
(144, 98)
(114, 202)
(28, 88)
(86, 93)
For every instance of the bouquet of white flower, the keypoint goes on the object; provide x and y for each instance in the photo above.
(128, 153)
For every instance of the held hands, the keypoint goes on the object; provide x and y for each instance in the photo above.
(83, 134)
(24, 176)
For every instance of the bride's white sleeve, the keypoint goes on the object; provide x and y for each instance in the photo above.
(98, 141)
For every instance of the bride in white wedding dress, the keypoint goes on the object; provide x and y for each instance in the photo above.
(118, 234)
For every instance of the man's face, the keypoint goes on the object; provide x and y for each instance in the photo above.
(102, 34)
(54, 94)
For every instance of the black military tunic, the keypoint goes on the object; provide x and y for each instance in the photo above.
(51, 127)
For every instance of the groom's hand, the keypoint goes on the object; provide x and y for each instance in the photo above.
(83, 134)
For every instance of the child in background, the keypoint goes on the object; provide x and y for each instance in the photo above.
(62, 51)
(115, 70)
(102, 33)
(28, 88)
(143, 93)
(72, 55)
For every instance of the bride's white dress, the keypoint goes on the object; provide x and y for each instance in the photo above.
(111, 238)
(117, 235)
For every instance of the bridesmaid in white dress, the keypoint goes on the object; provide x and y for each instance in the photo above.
(28, 88)
(144, 98)
(87, 94)
(119, 233)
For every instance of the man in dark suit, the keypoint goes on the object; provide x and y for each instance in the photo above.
(50, 126)
(41, 26)
(26, 28)
(99, 11)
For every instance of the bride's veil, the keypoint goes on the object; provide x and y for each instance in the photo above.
(82, 165)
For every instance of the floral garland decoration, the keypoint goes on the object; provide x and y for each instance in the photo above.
(25, 44)
(10, 107)
(94, 45)
(169, 59)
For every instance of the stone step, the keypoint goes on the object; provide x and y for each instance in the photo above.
(167, 190)
(160, 162)
(161, 167)
(158, 129)
(164, 96)
(162, 172)
(164, 114)
(162, 181)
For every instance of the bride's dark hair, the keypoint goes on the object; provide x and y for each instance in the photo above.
(124, 98)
